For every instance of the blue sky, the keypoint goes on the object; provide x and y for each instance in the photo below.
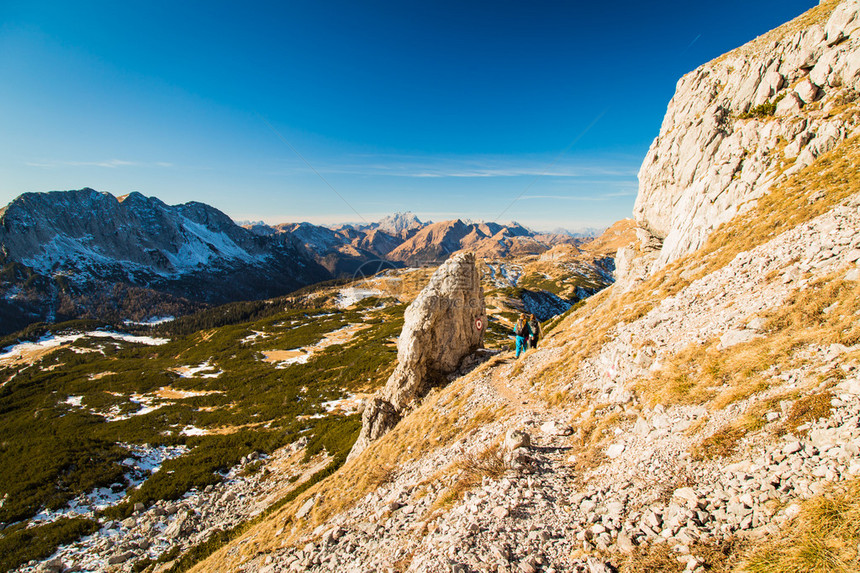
(539, 111)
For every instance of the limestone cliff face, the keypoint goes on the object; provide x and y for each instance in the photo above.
(737, 124)
(443, 325)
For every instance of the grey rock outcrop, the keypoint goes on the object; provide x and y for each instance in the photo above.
(443, 325)
(718, 150)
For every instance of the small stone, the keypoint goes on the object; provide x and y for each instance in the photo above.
(624, 543)
(791, 448)
(499, 552)
(687, 495)
(53, 566)
(807, 91)
(515, 438)
(305, 509)
(553, 428)
(615, 450)
(120, 558)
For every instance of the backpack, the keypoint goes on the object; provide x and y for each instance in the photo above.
(523, 329)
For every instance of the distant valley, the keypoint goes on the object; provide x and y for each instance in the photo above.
(87, 254)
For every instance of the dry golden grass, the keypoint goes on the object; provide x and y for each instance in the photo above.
(807, 409)
(821, 314)
(720, 444)
(470, 470)
(620, 234)
(659, 558)
(593, 434)
(489, 462)
(824, 538)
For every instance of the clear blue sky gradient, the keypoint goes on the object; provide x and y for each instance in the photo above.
(539, 111)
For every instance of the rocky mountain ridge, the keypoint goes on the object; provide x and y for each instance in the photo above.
(402, 239)
(73, 253)
(741, 123)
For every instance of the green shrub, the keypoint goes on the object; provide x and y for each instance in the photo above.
(766, 109)
(72, 449)
(19, 545)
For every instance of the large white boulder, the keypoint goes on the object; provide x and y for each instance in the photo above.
(442, 326)
(844, 21)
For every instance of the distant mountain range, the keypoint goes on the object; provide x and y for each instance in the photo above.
(402, 239)
(84, 253)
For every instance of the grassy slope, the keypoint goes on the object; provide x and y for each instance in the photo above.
(71, 450)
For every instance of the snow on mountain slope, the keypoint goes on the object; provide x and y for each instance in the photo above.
(65, 251)
(90, 232)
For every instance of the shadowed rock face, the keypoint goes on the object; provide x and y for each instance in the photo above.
(442, 326)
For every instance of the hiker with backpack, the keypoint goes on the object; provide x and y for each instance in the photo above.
(522, 332)
(534, 330)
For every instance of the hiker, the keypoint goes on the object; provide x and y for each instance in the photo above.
(522, 332)
(534, 329)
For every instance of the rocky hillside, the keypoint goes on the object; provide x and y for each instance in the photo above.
(677, 426)
(703, 415)
(743, 122)
(702, 418)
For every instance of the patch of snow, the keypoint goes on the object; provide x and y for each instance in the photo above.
(255, 335)
(348, 405)
(512, 275)
(146, 461)
(193, 431)
(284, 358)
(147, 404)
(201, 245)
(352, 295)
(73, 401)
(50, 341)
(151, 321)
(12, 293)
(298, 359)
(197, 371)
(63, 250)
